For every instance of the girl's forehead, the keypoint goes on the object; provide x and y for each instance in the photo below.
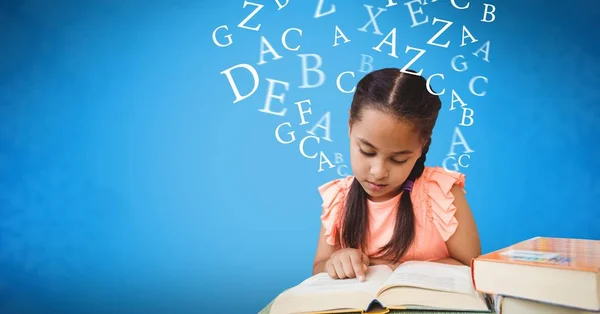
(385, 131)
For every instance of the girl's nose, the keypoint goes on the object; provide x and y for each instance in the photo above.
(379, 171)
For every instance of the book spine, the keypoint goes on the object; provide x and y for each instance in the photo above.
(473, 273)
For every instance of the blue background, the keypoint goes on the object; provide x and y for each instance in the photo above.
(131, 182)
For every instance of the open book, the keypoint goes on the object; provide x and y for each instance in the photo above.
(413, 285)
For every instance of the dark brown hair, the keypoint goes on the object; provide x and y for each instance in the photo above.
(404, 96)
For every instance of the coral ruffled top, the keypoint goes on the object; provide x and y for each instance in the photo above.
(432, 204)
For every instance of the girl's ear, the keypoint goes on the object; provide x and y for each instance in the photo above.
(349, 124)
(425, 143)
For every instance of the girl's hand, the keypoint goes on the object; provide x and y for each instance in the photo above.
(347, 263)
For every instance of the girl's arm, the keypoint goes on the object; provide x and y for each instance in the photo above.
(464, 244)
(324, 251)
(448, 260)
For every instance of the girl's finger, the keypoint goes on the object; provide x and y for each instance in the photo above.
(347, 265)
(358, 266)
(331, 270)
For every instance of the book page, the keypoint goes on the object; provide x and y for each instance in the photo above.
(430, 275)
(322, 283)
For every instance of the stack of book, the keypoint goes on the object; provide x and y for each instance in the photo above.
(542, 275)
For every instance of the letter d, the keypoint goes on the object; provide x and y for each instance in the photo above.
(236, 91)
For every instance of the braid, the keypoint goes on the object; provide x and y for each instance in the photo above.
(419, 167)
(404, 231)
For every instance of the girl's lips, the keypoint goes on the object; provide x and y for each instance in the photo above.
(376, 187)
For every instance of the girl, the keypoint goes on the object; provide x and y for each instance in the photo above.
(393, 208)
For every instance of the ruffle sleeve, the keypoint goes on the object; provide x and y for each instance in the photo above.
(333, 194)
(441, 200)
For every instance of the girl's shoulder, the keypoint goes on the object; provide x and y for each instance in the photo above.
(334, 190)
(333, 194)
(440, 177)
(336, 185)
(436, 197)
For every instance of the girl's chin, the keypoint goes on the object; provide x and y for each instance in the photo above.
(375, 190)
(377, 194)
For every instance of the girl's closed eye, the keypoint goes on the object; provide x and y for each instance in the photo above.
(365, 153)
(373, 154)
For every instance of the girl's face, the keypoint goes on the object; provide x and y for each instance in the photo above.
(383, 152)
